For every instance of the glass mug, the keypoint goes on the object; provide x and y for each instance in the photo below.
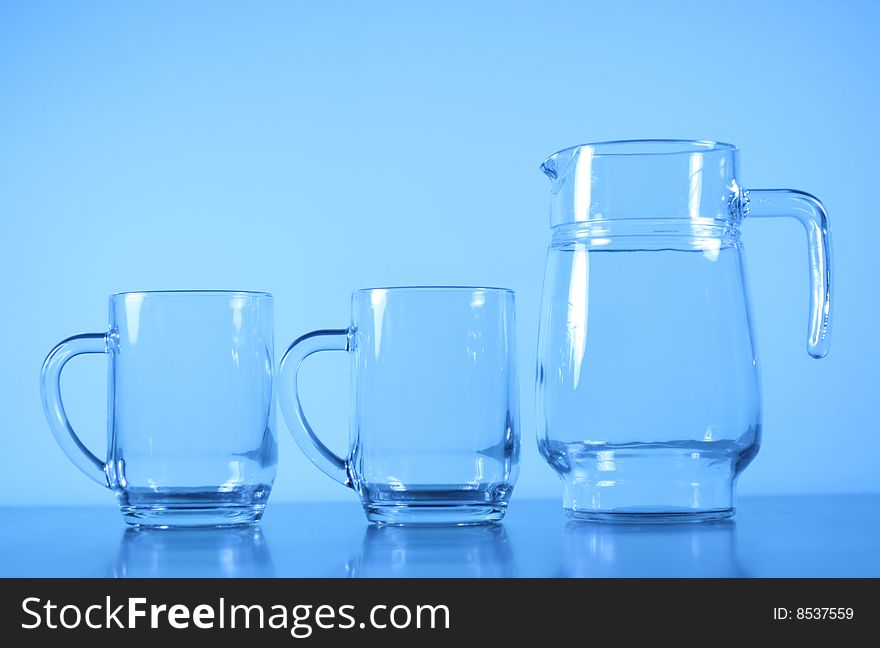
(191, 429)
(648, 387)
(434, 435)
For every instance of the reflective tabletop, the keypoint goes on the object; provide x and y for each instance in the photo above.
(819, 536)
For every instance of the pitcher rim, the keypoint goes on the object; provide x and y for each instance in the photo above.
(685, 146)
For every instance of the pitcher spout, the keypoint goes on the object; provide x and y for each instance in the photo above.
(556, 166)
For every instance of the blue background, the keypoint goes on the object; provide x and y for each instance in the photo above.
(308, 149)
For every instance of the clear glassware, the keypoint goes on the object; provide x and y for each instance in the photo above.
(191, 430)
(434, 435)
(648, 387)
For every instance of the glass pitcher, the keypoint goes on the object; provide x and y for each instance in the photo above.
(648, 386)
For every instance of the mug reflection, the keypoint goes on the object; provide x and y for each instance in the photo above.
(205, 553)
(597, 550)
(481, 551)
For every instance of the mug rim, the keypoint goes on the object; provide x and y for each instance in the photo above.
(434, 289)
(194, 293)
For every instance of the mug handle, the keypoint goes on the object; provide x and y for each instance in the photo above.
(50, 389)
(809, 211)
(291, 406)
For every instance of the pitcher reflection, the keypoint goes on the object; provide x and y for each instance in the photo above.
(205, 553)
(597, 550)
(430, 552)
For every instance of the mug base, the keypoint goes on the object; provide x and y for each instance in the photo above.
(435, 504)
(650, 517)
(189, 508)
(434, 515)
(167, 518)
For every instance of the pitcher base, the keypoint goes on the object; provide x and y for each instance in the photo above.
(650, 517)
(684, 481)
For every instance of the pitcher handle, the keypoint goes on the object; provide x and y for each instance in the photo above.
(765, 203)
(288, 396)
(50, 390)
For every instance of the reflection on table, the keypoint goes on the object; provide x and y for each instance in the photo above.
(593, 549)
(481, 551)
(816, 536)
(227, 553)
